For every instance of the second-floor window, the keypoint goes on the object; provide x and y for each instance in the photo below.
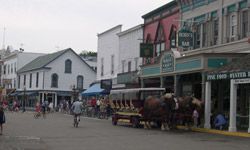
(197, 36)
(160, 41)
(18, 84)
(54, 80)
(129, 66)
(244, 24)
(68, 66)
(136, 63)
(4, 69)
(233, 25)
(24, 80)
(30, 80)
(215, 32)
(15, 67)
(8, 69)
(11, 68)
(123, 66)
(112, 64)
(37, 79)
(102, 66)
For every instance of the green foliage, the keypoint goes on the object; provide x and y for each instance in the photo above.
(86, 53)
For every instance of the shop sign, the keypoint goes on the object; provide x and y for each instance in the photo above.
(146, 50)
(185, 38)
(167, 63)
(234, 75)
(242, 81)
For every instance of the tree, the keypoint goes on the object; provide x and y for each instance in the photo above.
(86, 53)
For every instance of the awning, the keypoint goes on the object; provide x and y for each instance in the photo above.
(63, 93)
(14, 94)
(94, 90)
(27, 93)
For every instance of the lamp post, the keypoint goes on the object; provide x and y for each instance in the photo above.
(24, 98)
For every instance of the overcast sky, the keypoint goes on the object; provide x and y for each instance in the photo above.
(49, 25)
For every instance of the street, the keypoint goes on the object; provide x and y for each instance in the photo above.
(56, 132)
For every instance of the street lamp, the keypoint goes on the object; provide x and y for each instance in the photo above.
(24, 98)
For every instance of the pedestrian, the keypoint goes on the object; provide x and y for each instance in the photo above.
(2, 119)
(220, 121)
(44, 109)
(195, 117)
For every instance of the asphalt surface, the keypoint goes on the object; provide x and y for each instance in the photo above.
(56, 132)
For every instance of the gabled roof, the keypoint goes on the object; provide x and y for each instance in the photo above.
(42, 61)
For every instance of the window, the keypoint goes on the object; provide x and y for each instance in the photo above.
(4, 69)
(215, 26)
(24, 80)
(30, 80)
(102, 66)
(79, 82)
(37, 79)
(160, 41)
(123, 66)
(8, 69)
(14, 82)
(244, 24)
(54, 80)
(129, 66)
(233, 25)
(15, 67)
(11, 68)
(112, 64)
(136, 63)
(18, 81)
(204, 35)
(197, 36)
(68, 66)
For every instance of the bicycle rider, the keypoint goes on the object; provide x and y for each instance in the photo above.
(77, 109)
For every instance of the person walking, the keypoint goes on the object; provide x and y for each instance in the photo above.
(2, 119)
(195, 117)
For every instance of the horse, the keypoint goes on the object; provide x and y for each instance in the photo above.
(158, 110)
(186, 106)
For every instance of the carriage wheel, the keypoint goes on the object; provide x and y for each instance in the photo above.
(114, 120)
(135, 122)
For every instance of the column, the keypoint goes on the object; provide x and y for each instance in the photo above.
(208, 105)
(142, 83)
(203, 80)
(249, 117)
(55, 100)
(176, 85)
(233, 106)
(162, 81)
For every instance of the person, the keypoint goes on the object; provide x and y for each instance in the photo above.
(77, 109)
(219, 121)
(43, 109)
(51, 106)
(2, 119)
(195, 117)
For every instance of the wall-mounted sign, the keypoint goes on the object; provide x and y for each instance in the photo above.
(185, 38)
(167, 63)
(242, 81)
(146, 50)
(223, 76)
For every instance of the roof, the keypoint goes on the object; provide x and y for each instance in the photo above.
(94, 90)
(118, 26)
(130, 30)
(237, 65)
(42, 61)
(164, 7)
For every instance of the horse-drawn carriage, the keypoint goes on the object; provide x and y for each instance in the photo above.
(145, 105)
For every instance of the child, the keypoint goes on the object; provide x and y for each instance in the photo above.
(195, 117)
(2, 119)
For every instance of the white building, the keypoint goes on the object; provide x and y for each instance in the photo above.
(53, 77)
(91, 61)
(129, 55)
(108, 54)
(11, 64)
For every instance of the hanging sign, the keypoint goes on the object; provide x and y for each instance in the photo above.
(146, 50)
(167, 63)
(185, 38)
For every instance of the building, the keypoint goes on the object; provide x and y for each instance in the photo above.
(160, 30)
(129, 57)
(108, 54)
(221, 29)
(54, 77)
(91, 61)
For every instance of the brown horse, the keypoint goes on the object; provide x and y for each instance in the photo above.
(186, 106)
(158, 110)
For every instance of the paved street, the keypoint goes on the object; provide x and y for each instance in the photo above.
(56, 132)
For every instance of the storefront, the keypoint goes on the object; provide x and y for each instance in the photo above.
(228, 91)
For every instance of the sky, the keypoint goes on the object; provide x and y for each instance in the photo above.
(50, 25)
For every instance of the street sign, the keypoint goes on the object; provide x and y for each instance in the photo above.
(185, 38)
(146, 50)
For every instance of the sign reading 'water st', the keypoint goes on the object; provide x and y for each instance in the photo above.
(233, 75)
